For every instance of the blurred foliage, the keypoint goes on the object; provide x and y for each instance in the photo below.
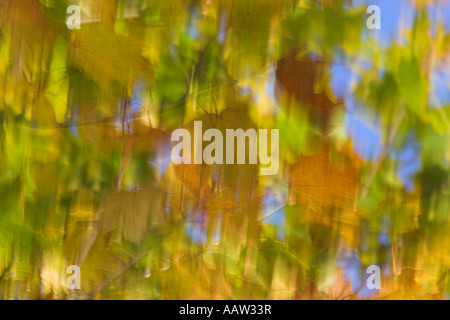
(86, 178)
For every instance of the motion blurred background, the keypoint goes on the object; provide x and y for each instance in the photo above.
(86, 176)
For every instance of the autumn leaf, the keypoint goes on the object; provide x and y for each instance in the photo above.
(317, 183)
(133, 212)
(106, 57)
(299, 78)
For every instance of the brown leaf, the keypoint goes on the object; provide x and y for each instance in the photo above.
(318, 183)
(134, 212)
(106, 57)
(299, 79)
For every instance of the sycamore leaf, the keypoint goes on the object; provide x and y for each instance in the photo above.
(106, 57)
(318, 183)
(300, 79)
(134, 212)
